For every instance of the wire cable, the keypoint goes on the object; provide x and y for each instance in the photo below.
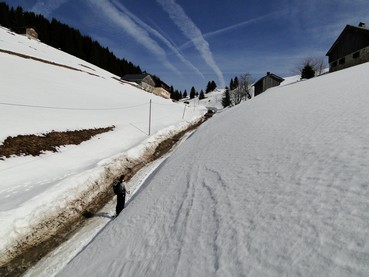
(69, 108)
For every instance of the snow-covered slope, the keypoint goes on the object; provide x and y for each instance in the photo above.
(43, 89)
(273, 187)
(212, 101)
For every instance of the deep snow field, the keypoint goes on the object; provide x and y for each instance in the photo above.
(38, 97)
(275, 186)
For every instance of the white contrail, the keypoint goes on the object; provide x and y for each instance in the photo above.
(234, 26)
(246, 22)
(47, 7)
(191, 31)
(158, 35)
(133, 29)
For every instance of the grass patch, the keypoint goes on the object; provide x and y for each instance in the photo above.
(37, 144)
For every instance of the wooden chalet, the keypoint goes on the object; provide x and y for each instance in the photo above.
(351, 48)
(266, 82)
(147, 82)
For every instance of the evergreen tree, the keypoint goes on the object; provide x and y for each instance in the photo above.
(4, 15)
(208, 87)
(235, 83)
(226, 100)
(172, 95)
(307, 72)
(213, 86)
(201, 96)
(18, 19)
(68, 39)
(176, 95)
(185, 94)
(231, 84)
(192, 93)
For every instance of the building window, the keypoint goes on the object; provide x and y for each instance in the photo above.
(341, 61)
(356, 55)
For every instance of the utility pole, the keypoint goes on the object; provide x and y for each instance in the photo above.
(150, 119)
(184, 110)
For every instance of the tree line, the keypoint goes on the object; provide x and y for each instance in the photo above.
(239, 90)
(71, 41)
(65, 38)
(177, 95)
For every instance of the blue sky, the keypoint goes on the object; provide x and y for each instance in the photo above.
(190, 42)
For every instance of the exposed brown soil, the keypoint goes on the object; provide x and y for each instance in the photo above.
(29, 251)
(45, 61)
(35, 145)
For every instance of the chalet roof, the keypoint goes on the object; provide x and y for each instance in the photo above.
(135, 77)
(163, 84)
(349, 28)
(23, 29)
(271, 75)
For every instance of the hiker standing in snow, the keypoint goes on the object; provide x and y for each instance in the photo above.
(119, 188)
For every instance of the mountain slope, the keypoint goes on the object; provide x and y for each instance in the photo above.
(275, 186)
(43, 89)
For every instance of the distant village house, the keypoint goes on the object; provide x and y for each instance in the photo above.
(351, 48)
(31, 33)
(162, 90)
(266, 82)
(147, 83)
(144, 80)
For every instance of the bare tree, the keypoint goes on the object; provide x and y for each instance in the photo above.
(320, 65)
(317, 64)
(242, 92)
(245, 86)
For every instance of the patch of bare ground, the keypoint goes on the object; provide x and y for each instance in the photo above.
(87, 67)
(32, 248)
(35, 145)
(45, 61)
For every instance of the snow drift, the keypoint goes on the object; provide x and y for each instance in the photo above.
(275, 186)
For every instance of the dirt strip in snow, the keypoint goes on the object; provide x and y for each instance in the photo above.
(58, 228)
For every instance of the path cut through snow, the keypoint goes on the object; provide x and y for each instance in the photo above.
(60, 92)
(58, 258)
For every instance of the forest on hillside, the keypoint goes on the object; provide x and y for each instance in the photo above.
(65, 38)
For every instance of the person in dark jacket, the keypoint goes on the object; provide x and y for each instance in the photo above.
(120, 190)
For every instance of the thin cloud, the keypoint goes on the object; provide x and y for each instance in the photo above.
(133, 29)
(158, 35)
(46, 8)
(191, 31)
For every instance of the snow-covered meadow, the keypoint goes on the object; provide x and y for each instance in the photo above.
(275, 186)
(37, 97)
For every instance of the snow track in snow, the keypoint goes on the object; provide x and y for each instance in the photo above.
(58, 258)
